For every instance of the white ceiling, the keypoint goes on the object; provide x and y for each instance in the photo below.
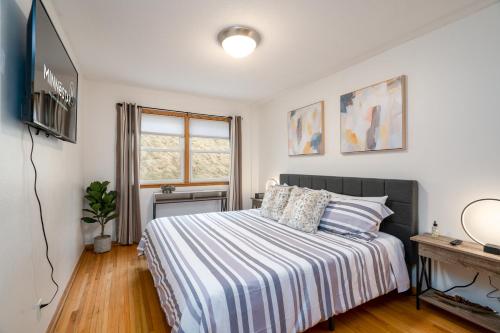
(169, 44)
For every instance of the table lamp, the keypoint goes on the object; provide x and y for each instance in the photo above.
(271, 182)
(481, 222)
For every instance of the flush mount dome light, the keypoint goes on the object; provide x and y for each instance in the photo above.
(238, 41)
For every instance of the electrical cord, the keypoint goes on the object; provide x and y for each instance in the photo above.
(495, 289)
(454, 287)
(488, 295)
(464, 286)
(42, 223)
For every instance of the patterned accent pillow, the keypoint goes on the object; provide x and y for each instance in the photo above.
(354, 218)
(306, 212)
(275, 200)
(295, 195)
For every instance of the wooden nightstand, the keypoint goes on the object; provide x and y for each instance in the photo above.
(256, 203)
(467, 255)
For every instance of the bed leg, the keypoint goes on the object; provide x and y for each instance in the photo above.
(331, 324)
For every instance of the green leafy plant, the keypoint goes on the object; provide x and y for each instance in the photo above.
(102, 204)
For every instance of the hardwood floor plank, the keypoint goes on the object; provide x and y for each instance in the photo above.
(114, 292)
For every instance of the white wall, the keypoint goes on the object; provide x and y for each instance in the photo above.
(100, 138)
(24, 272)
(453, 125)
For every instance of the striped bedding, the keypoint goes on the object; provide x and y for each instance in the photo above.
(240, 272)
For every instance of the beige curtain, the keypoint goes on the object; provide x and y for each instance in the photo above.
(235, 179)
(127, 173)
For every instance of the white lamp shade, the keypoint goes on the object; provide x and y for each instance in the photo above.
(481, 221)
(239, 46)
(271, 182)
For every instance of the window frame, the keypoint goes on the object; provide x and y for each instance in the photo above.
(186, 161)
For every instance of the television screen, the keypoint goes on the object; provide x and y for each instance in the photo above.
(52, 79)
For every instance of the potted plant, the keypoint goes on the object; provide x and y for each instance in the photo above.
(102, 210)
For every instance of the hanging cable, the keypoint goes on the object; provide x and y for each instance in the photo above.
(495, 289)
(464, 286)
(41, 221)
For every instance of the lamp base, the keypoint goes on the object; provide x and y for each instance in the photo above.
(491, 248)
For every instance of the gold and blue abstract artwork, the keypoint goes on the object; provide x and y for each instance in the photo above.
(374, 118)
(305, 130)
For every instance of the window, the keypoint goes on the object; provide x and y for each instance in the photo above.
(184, 149)
(162, 149)
(210, 150)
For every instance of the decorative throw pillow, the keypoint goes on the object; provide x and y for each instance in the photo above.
(268, 201)
(275, 200)
(307, 210)
(338, 196)
(295, 195)
(355, 218)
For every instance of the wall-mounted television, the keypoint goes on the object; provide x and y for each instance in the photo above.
(52, 79)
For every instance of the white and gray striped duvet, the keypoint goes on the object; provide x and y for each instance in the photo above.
(240, 272)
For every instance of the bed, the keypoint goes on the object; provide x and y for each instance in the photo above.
(240, 272)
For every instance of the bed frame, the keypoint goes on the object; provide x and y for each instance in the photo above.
(403, 200)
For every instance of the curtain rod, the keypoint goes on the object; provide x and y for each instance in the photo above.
(184, 112)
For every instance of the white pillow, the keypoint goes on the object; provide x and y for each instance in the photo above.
(347, 216)
(339, 196)
(275, 201)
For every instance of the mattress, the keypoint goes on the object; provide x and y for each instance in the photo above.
(240, 272)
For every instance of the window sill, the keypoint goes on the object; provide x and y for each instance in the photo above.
(184, 184)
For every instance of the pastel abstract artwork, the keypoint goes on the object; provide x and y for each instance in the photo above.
(305, 130)
(374, 118)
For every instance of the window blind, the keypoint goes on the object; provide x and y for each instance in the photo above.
(209, 128)
(162, 125)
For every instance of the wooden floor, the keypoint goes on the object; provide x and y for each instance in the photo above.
(114, 292)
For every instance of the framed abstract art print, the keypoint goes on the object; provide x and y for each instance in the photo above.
(374, 118)
(305, 130)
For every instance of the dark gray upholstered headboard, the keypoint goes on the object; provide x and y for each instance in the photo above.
(403, 200)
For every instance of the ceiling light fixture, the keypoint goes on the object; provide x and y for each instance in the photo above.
(238, 41)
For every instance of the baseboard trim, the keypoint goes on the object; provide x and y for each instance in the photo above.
(64, 296)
